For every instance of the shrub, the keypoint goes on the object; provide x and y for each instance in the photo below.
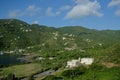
(52, 77)
(97, 67)
(74, 72)
(10, 76)
(30, 77)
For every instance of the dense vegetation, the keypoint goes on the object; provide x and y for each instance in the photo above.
(15, 34)
(58, 45)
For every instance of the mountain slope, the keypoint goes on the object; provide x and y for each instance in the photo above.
(16, 34)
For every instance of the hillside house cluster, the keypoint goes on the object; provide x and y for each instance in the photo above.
(80, 61)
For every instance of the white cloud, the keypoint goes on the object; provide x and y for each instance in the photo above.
(49, 12)
(15, 14)
(66, 7)
(114, 3)
(81, 1)
(117, 13)
(29, 11)
(63, 8)
(35, 22)
(84, 8)
(32, 10)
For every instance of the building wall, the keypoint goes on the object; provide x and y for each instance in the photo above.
(84, 61)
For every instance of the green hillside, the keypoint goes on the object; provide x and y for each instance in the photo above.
(57, 46)
(16, 34)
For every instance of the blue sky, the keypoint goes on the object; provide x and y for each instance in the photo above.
(93, 14)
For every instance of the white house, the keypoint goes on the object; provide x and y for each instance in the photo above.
(80, 61)
(73, 63)
(1, 53)
(87, 61)
(41, 58)
(51, 58)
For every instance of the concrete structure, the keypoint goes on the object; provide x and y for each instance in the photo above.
(73, 63)
(87, 61)
(1, 53)
(41, 58)
(80, 61)
(51, 58)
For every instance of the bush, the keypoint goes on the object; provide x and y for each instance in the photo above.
(97, 67)
(1, 66)
(30, 77)
(56, 67)
(52, 77)
(74, 72)
(10, 76)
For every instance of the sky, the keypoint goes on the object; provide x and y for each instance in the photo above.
(92, 14)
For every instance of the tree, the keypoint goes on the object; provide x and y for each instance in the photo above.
(74, 72)
(52, 77)
(30, 77)
(10, 76)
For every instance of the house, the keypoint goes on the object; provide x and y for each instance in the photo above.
(87, 61)
(41, 58)
(73, 63)
(21, 50)
(80, 61)
(51, 58)
(1, 53)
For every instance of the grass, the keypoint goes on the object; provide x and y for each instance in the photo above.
(22, 70)
(105, 74)
(95, 73)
